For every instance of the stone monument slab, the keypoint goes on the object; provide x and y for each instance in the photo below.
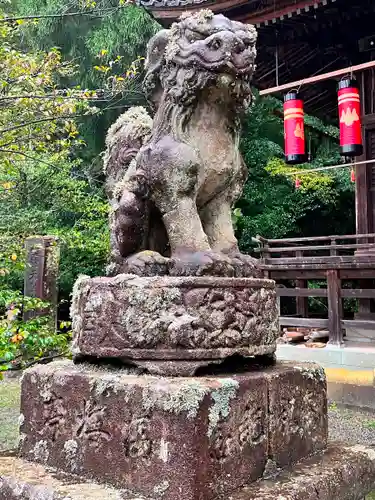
(41, 273)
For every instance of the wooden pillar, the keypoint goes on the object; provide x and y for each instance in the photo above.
(365, 182)
(334, 308)
(41, 274)
(365, 178)
(302, 302)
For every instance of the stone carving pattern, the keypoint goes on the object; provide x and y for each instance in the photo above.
(250, 432)
(300, 413)
(137, 443)
(91, 423)
(54, 412)
(191, 318)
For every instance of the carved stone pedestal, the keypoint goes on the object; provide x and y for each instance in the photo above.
(172, 326)
(174, 438)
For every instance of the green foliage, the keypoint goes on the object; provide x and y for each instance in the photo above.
(311, 181)
(23, 343)
(35, 114)
(110, 36)
(74, 209)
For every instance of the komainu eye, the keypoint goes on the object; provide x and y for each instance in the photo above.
(194, 36)
(215, 44)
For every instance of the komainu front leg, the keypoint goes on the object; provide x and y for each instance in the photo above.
(217, 221)
(173, 171)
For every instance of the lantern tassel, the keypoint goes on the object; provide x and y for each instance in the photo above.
(352, 175)
(297, 183)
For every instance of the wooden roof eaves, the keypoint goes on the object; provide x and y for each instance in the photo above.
(172, 13)
(268, 15)
(273, 14)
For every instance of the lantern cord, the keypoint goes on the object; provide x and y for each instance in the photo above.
(331, 167)
(277, 60)
(318, 78)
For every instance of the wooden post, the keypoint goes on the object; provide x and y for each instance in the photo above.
(365, 183)
(334, 308)
(42, 265)
(333, 251)
(302, 303)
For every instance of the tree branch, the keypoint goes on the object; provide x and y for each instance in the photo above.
(10, 151)
(88, 13)
(41, 120)
(101, 97)
(31, 363)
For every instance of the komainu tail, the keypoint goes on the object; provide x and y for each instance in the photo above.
(124, 139)
(126, 185)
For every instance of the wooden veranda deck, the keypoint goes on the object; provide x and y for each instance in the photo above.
(332, 259)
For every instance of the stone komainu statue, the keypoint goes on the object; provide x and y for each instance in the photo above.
(172, 181)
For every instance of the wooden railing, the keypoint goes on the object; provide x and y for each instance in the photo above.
(323, 257)
(316, 249)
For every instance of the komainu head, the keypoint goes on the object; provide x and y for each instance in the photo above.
(199, 51)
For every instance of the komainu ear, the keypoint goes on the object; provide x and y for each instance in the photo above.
(154, 62)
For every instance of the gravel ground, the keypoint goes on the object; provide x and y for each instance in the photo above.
(351, 426)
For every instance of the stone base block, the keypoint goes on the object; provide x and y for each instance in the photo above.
(340, 473)
(182, 438)
(173, 325)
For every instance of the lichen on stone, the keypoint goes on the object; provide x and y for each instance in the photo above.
(21, 419)
(313, 372)
(161, 488)
(77, 289)
(186, 398)
(201, 16)
(123, 183)
(134, 122)
(155, 301)
(40, 451)
(221, 407)
(70, 450)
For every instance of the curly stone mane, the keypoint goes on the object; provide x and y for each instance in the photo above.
(176, 74)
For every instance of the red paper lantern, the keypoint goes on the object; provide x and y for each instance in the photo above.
(350, 121)
(294, 129)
